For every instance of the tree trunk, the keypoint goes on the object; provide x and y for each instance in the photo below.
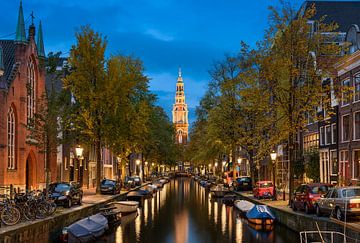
(233, 155)
(251, 163)
(142, 168)
(98, 165)
(291, 166)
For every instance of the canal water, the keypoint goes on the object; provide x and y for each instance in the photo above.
(184, 212)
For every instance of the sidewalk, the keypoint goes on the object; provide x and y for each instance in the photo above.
(283, 205)
(90, 204)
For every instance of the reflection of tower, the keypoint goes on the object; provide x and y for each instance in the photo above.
(180, 112)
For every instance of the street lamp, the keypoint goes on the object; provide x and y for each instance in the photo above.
(79, 153)
(273, 156)
(138, 165)
(239, 163)
(147, 169)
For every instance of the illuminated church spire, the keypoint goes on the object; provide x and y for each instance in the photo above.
(180, 112)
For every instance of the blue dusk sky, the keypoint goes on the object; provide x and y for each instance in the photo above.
(164, 34)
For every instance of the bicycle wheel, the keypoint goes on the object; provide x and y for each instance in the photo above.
(41, 211)
(51, 208)
(29, 212)
(10, 215)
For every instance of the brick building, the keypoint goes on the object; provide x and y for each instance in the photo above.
(22, 82)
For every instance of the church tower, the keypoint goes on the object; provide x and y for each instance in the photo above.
(180, 112)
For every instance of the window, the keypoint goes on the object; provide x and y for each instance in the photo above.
(11, 138)
(31, 91)
(357, 87)
(322, 136)
(345, 128)
(327, 135)
(356, 164)
(333, 133)
(345, 92)
(356, 125)
(334, 162)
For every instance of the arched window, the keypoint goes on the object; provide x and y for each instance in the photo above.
(180, 136)
(11, 139)
(31, 90)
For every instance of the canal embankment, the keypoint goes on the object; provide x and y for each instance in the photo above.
(50, 228)
(299, 221)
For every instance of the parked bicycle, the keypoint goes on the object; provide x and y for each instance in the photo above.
(9, 213)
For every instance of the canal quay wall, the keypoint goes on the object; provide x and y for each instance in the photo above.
(298, 221)
(50, 228)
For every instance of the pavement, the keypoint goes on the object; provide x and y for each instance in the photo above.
(89, 198)
(353, 223)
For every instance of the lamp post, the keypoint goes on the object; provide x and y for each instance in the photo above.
(273, 156)
(79, 153)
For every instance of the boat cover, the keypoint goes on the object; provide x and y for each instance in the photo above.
(260, 212)
(88, 229)
(244, 205)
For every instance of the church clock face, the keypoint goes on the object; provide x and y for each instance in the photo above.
(180, 112)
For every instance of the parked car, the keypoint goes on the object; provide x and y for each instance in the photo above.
(337, 201)
(243, 184)
(137, 180)
(306, 195)
(66, 193)
(263, 189)
(110, 186)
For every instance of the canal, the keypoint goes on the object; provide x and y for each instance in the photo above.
(184, 212)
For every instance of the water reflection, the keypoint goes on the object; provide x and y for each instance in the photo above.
(184, 212)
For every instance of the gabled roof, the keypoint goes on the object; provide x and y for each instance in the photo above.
(344, 13)
(8, 48)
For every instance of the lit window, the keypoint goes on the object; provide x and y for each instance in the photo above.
(11, 139)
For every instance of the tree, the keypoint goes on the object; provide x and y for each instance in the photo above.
(90, 86)
(296, 61)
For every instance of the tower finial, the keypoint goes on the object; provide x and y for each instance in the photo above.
(20, 36)
(40, 42)
(179, 71)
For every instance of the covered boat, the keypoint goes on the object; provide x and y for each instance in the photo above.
(126, 207)
(243, 205)
(260, 214)
(87, 229)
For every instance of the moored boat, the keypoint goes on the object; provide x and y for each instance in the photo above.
(87, 229)
(219, 191)
(243, 205)
(229, 199)
(126, 206)
(260, 214)
(135, 196)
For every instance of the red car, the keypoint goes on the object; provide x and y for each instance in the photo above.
(305, 196)
(264, 189)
